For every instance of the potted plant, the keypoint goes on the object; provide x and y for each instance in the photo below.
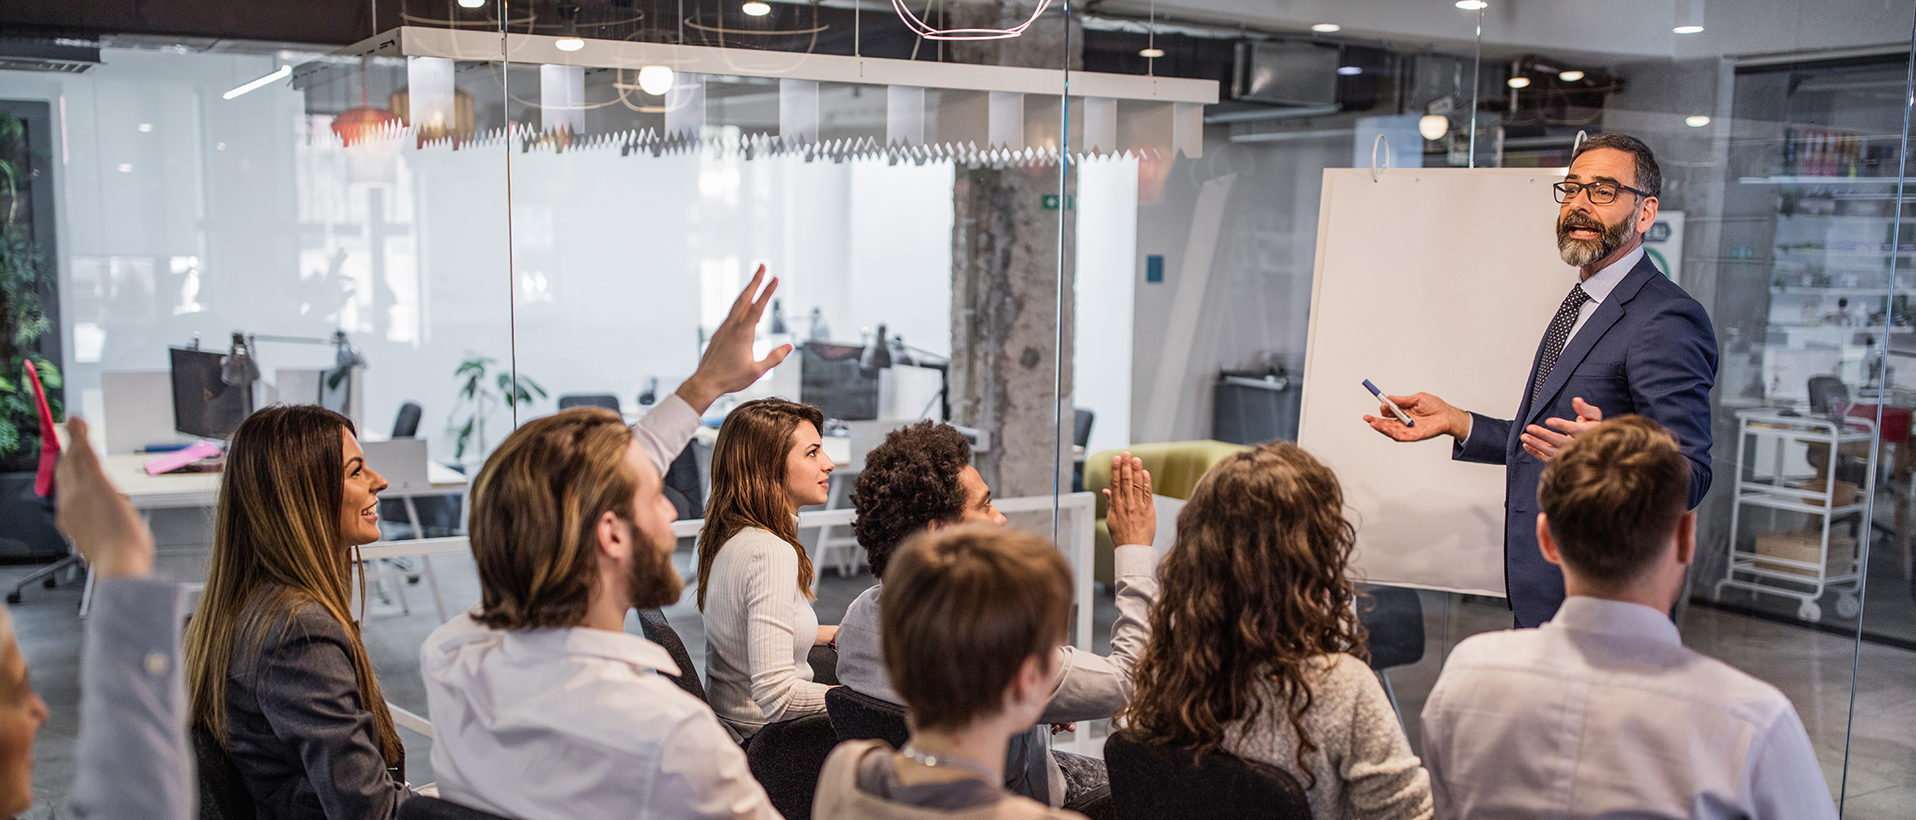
(476, 397)
(24, 283)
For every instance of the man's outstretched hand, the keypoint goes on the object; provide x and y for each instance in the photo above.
(728, 365)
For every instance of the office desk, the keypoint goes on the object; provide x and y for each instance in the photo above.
(201, 490)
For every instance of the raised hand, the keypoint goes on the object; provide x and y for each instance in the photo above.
(1544, 442)
(728, 365)
(1129, 512)
(100, 521)
(1434, 417)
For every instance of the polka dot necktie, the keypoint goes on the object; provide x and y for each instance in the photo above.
(1560, 326)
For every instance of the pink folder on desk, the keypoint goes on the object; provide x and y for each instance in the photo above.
(49, 438)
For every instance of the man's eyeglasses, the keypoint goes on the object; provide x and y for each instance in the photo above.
(1600, 193)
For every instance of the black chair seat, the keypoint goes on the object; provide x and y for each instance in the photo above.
(1394, 617)
(858, 716)
(786, 758)
(1150, 781)
(420, 807)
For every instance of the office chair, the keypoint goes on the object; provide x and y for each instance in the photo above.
(605, 400)
(1150, 781)
(786, 758)
(659, 631)
(682, 485)
(39, 526)
(858, 716)
(1081, 420)
(421, 807)
(406, 425)
(1394, 617)
(223, 794)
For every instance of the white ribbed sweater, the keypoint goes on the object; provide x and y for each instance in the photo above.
(759, 630)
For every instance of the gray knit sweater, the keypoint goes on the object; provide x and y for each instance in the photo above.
(1363, 764)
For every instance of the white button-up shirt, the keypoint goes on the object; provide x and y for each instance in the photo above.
(576, 723)
(1603, 712)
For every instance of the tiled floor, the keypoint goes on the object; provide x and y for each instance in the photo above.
(1813, 668)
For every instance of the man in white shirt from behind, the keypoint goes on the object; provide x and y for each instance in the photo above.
(1602, 711)
(543, 706)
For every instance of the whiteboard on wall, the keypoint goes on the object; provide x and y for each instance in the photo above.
(1440, 281)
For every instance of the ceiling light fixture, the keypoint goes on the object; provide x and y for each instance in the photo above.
(1570, 76)
(569, 12)
(1472, 5)
(1689, 17)
(472, 4)
(930, 32)
(1433, 126)
(655, 80)
(1349, 70)
(1696, 121)
(1150, 53)
(1518, 82)
(569, 43)
(146, 128)
(282, 73)
(756, 8)
(1327, 28)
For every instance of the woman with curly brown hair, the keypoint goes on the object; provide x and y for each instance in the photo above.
(1255, 647)
(755, 578)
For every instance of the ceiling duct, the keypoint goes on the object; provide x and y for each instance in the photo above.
(65, 56)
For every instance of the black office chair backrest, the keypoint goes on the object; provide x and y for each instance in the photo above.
(682, 477)
(858, 716)
(1154, 781)
(223, 795)
(1394, 617)
(421, 807)
(1081, 426)
(659, 631)
(407, 424)
(1828, 396)
(786, 759)
(605, 400)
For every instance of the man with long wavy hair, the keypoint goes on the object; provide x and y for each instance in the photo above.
(1602, 712)
(544, 706)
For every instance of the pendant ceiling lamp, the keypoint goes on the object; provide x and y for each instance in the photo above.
(359, 124)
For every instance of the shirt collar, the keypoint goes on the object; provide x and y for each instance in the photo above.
(1586, 614)
(1598, 287)
(622, 647)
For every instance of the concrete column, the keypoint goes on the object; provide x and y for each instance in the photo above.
(1006, 328)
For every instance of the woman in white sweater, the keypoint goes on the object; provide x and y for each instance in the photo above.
(755, 579)
(1255, 647)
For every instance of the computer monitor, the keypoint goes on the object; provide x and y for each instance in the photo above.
(203, 404)
(831, 381)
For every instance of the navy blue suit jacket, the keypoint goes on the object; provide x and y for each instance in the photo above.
(1648, 349)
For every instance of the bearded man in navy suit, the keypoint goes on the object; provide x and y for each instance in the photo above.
(1625, 340)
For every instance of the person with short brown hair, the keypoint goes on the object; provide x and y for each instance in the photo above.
(970, 626)
(543, 705)
(1601, 711)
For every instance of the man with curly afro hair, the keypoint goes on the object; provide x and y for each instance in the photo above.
(921, 478)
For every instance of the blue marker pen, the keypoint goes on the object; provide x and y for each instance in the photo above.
(1394, 409)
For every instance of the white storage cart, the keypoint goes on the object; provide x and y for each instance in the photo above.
(1775, 483)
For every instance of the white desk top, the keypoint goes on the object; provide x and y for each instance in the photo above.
(203, 489)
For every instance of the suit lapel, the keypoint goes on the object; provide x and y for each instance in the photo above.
(1607, 314)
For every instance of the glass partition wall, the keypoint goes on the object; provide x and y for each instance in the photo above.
(491, 213)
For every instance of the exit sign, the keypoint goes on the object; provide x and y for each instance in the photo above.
(1050, 202)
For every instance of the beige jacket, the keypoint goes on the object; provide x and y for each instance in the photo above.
(840, 798)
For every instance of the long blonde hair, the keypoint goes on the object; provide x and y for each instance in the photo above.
(748, 481)
(277, 528)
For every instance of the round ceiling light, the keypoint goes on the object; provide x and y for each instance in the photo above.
(1696, 121)
(568, 44)
(1151, 53)
(1327, 28)
(471, 4)
(1472, 5)
(1433, 126)
(1349, 70)
(655, 79)
(1518, 82)
(1570, 76)
(1687, 30)
(756, 8)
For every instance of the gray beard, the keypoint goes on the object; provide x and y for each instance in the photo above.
(1576, 253)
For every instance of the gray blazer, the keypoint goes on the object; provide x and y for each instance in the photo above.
(133, 757)
(296, 730)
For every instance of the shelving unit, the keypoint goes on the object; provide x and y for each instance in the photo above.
(1772, 477)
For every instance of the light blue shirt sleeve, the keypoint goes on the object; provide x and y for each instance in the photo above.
(134, 761)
